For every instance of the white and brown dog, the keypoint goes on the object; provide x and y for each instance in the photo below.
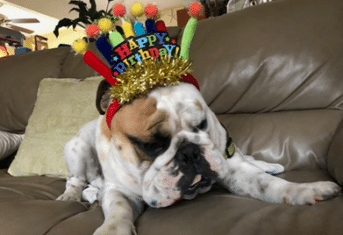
(165, 147)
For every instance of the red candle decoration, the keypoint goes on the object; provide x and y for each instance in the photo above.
(161, 26)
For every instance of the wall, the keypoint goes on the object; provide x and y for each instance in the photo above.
(66, 36)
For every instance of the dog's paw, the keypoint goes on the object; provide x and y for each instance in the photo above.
(90, 194)
(69, 197)
(311, 193)
(116, 229)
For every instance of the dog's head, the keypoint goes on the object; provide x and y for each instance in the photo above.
(171, 141)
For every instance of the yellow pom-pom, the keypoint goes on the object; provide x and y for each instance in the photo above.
(137, 9)
(80, 46)
(105, 25)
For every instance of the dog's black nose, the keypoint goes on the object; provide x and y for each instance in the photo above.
(188, 154)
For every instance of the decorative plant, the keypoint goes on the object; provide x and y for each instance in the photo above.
(86, 17)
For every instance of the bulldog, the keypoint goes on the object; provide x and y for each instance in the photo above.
(165, 147)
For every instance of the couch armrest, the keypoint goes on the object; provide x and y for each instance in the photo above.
(335, 158)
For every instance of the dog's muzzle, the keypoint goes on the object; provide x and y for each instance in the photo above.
(197, 176)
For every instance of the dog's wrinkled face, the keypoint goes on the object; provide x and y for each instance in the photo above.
(173, 135)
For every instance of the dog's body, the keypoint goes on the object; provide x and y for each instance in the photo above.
(165, 147)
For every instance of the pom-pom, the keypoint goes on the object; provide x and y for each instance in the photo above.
(151, 11)
(119, 10)
(93, 31)
(80, 46)
(105, 25)
(137, 9)
(195, 9)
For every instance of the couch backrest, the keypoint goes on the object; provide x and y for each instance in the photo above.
(19, 79)
(273, 73)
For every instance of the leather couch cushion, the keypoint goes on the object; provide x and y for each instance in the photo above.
(334, 156)
(19, 79)
(28, 207)
(74, 67)
(270, 68)
(284, 55)
(219, 212)
(295, 139)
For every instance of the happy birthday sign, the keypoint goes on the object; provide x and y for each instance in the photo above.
(137, 49)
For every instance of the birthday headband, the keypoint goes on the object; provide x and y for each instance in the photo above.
(145, 59)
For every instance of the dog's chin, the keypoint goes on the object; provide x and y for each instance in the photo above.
(202, 186)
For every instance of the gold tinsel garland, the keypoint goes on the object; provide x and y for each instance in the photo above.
(139, 79)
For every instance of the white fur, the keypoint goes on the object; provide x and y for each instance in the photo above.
(124, 186)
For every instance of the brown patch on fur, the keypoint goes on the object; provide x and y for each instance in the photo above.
(141, 156)
(119, 203)
(198, 104)
(127, 151)
(105, 130)
(286, 200)
(140, 119)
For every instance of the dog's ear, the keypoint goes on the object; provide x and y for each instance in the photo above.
(219, 134)
(216, 131)
(230, 147)
(103, 97)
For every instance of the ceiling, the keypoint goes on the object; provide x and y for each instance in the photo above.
(48, 12)
(13, 11)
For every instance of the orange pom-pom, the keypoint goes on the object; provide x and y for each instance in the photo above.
(119, 10)
(195, 9)
(93, 31)
(151, 11)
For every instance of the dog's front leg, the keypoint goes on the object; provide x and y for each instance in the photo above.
(75, 158)
(120, 213)
(245, 179)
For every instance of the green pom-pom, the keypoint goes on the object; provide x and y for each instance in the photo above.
(188, 37)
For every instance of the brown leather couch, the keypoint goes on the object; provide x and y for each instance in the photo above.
(272, 73)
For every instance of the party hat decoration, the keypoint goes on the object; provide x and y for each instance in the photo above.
(137, 10)
(145, 59)
(194, 10)
(151, 12)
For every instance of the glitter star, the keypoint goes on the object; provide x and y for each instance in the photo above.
(115, 58)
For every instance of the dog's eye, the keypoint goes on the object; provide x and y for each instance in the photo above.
(202, 125)
(152, 146)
